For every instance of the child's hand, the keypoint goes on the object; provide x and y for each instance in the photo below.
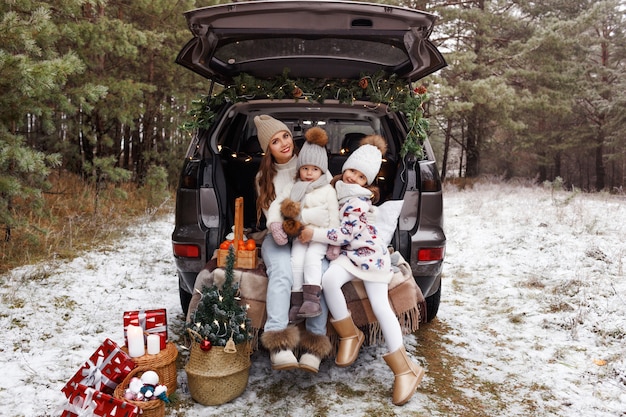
(332, 252)
(306, 235)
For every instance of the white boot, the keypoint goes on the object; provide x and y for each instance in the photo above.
(314, 348)
(283, 360)
(281, 344)
(310, 363)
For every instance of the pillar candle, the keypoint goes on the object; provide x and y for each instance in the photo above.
(154, 344)
(134, 335)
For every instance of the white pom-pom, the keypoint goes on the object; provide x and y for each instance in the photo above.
(150, 378)
(135, 385)
(159, 390)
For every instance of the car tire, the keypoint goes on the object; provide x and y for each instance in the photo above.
(432, 304)
(185, 299)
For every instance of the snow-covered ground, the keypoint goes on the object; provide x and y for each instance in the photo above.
(532, 320)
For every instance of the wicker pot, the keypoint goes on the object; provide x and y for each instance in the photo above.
(152, 408)
(216, 377)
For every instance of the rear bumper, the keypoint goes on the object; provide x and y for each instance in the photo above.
(428, 277)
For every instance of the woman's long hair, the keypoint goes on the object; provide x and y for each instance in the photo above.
(267, 193)
(267, 171)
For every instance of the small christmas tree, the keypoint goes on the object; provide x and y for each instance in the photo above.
(220, 316)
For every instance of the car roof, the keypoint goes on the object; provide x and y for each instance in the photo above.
(309, 39)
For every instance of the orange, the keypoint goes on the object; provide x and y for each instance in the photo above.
(250, 244)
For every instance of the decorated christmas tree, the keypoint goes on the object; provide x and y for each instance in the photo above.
(220, 319)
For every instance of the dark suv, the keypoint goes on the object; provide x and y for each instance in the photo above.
(344, 66)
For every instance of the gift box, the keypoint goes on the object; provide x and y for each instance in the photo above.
(104, 370)
(83, 400)
(151, 321)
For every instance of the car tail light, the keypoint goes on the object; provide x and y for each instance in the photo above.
(430, 254)
(186, 251)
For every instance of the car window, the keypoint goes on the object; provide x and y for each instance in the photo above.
(253, 49)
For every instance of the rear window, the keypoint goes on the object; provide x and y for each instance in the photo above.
(250, 50)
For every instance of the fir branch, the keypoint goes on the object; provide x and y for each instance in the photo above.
(379, 88)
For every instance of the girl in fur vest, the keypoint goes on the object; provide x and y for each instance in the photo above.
(366, 258)
(313, 202)
(273, 183)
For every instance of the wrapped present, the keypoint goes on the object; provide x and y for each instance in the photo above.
(83, 401)
(151, 321)
(103, 371)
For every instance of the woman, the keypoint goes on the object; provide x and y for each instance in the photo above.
(274, 182)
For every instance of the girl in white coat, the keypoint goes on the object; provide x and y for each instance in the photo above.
(363, 256)
(313, 202)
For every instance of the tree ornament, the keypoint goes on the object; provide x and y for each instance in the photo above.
(230, 346)
(205, 345)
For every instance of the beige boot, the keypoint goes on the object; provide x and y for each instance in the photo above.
(350, 341)
(408, 375)
(281, 344)
(314, 348)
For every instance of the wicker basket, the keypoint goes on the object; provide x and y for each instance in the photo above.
(216, 377)
(152, 408)
(163, 363)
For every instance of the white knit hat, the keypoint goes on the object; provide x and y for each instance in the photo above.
(368, 157)
(266, 127)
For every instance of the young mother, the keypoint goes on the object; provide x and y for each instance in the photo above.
(274, 181)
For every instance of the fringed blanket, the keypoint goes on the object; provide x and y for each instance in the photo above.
(405, 296)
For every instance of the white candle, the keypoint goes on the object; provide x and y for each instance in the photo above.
(134, 334)
(154, 344)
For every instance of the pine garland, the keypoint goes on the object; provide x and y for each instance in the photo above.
(377, 88)
(220, 315)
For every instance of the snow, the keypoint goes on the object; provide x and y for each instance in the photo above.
(532, 319)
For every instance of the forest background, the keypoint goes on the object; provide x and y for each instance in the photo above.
(92, 104)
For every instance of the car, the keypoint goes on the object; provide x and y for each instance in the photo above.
(347, 67)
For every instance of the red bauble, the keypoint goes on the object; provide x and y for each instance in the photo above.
(205, 345)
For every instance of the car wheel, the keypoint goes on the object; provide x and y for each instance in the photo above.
(185, 299)
(432, 304)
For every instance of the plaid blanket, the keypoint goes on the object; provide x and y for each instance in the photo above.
(405, 297)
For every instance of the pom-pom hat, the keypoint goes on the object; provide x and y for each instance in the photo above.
(313, 151)
(266, 127)
(368, 157)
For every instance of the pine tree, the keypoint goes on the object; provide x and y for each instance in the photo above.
(220, 315)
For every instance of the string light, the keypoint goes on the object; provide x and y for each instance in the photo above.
(378, 89)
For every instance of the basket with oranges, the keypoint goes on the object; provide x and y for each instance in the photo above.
(245, 250)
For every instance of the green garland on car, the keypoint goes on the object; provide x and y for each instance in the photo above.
(377, 88)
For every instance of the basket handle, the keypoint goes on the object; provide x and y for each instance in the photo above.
(195, 335)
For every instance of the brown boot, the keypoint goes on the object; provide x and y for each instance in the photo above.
(281, 344)
(311, 306)
(315, 348)
(350, 341)
(408, 375)
(296, 303)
